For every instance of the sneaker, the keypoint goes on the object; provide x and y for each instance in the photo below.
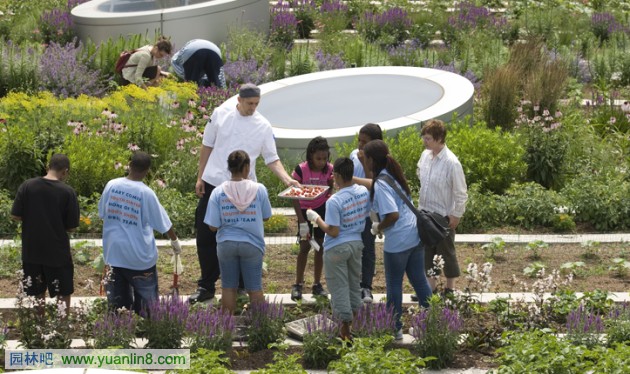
(414, 297)
(399, 335)
(296, 292)
(318, 290)
(366, 295)
(448, 292)
(200, 296)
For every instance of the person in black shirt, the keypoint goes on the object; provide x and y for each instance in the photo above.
(48, 209)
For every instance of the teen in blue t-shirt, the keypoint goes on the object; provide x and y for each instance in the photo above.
(346, 212)
(131, 211)
(403, 251)
(236, 210)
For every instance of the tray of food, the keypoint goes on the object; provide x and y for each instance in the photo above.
(307, 192)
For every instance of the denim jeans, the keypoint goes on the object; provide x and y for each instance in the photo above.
(368, 259)
(132, 288)
(410, 262)
(342, 265)
(240, 259)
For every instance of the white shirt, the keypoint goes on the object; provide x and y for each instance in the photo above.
(442, 183)
(228, 131)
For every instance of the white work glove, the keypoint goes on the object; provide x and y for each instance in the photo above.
(375, 231)
(178, 268)
(312, 215)
(177, 248)
(304, 230)
(374, 216)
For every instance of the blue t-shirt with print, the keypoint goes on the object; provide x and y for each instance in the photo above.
(131, 211)
(358, 166)
(246, 226)
(403, 234)
(347, 209)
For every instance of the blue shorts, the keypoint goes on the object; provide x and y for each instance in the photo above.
(240, 258)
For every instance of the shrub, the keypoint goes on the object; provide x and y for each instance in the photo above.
(66, 75)
(390, 28)
(56, 25)
(8, 227)
(205, 361)
(436, 333)
(180, 207)
(94, 161)
(305, 11)
(529, 205)
(500, 96)
(600, 200)
(484, 210)
(406, 148)
(20, 159)
(265, 325)
(496, 165)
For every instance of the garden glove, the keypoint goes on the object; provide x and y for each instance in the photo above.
(177, 248)
(375, 231)
(176, 261)
(312, 215)
(304, 231)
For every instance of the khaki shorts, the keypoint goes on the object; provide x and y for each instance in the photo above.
(447, 250)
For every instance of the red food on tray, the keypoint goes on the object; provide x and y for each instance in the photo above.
(307, 192)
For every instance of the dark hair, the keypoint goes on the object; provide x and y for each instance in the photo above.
(164, 44)
(381, 159)
(140, 162)
(316, 144)
(59, 162)
(372, 130)
(237, 161)
(345, 168)
(436, 129)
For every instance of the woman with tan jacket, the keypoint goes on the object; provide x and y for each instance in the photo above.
(142, 68)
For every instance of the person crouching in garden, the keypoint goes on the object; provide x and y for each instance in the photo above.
(346, 212)
(131, 211)
(236, 211)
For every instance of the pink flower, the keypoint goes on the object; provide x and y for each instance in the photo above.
(190, 116)
(192, 103)
(612, 120)
(133, 147)
(175, 105)
(117, 165)
(161, 183)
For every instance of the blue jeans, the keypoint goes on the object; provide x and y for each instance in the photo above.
(132, 288)
(240, 259)
(410, 262)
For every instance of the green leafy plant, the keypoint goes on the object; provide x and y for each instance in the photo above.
(496, 246)
(282, 363)
(203, 361)
(590, 249)
(369, 355)
(619, 268)
(539, 351)
(563, 222)
(536, 248)
(577, 268)
(534, 269)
